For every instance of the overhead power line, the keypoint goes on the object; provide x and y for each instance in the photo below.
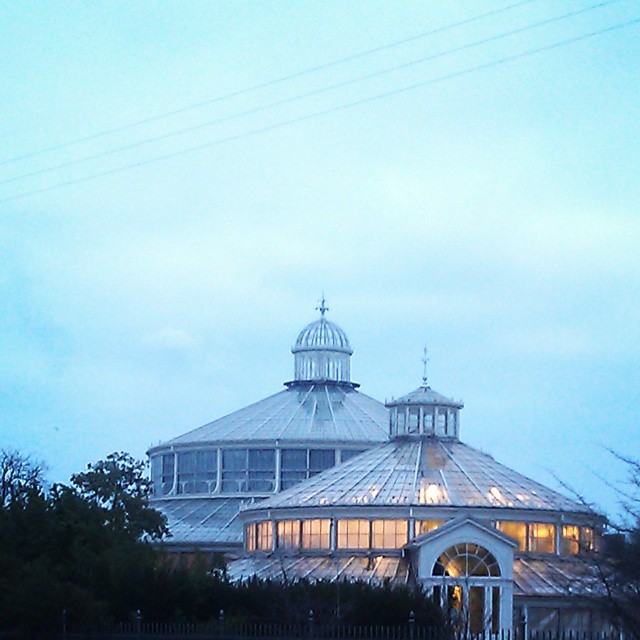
(324, 112)
(268, 83)
(308, 94)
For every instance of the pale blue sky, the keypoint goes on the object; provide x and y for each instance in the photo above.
(493, 215)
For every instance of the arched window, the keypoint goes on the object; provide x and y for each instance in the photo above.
(466, 559)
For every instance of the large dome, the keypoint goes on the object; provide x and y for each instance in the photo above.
(322, 335)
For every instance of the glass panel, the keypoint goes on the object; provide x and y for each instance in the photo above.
(476, 609)
(542, 537)
(414, 416)
(515, 530)
(570, 539)
(234, 470)
(424, 526)
(466, 559)
(353, 534)
(250, 537)
(427, 419)
(162, 470)
(441, 422)
(262, 470)
(293, 463)
(588, 539)
(265, 536)
(495, 609)
(389, 534)
(316, 534)
(347, 454)
(400, 420)
(288, 534)
(321, 459)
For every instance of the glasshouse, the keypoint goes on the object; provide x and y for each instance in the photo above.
(321, 482)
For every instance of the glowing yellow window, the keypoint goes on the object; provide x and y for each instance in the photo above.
(542, 537)
(250, 537)
(424, 526)
(265, 536)
(389, 534)
(353, 534)
(316, 534)
(570, 539)
(288, 534)
(515, 530)
(588, 539)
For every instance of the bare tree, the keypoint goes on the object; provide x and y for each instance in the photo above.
(20, 476)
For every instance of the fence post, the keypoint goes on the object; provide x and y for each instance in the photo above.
(412, 625)
(221, 623)
(64, 624)
(138, 616)
(310, 620)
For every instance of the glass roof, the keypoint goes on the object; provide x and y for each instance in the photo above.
(303, 412)
(420, 472)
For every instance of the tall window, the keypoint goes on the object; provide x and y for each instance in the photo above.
(588, 539)
(288, 534)
(316, 534)
(248, 470)
(414, 419)
(515, 530)
(264, 536)
(250, 533)
(197, 471)
(570, 539)
(353, 534)
(542, 537)
(389, 534)
(163, 473)
(293, 463)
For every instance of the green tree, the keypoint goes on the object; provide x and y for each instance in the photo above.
(119, 486)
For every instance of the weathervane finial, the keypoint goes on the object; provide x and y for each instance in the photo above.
(424, 366)
(323, 307)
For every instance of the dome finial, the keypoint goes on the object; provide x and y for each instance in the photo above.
(323, 307)
(425, 360)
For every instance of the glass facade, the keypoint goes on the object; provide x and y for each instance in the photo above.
(163, 473)
(264, 536)
(515, 530)
(248, 470)
(570, 541)
(542, 537)
(288, 534)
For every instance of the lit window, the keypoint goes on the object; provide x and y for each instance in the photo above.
(424, 526)
(316, 534)
(250, 533)
(515, 530)
(588, 539)
(466, 559)
(389, 534)
(353, 534)
(570, 539)
(197, 471)
(288, 534)
(542, 537)
(265, 536)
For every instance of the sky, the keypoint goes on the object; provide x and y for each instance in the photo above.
(490, 212)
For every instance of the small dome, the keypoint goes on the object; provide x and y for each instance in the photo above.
(322, 335)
